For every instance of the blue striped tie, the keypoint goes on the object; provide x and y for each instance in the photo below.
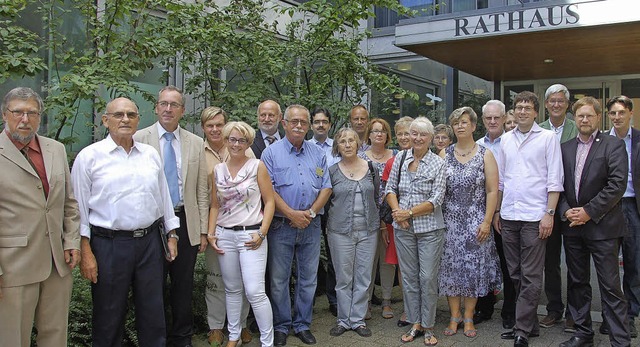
(171, 168)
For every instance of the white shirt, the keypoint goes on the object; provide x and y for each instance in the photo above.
(276, 135)
(119, 190)
(530, 167)
(558, 130)
(177, 149)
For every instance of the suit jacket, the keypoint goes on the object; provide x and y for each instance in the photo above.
(570, 130)
(603, 182)
(258, 143)
(194, 178)
(35, 231)
(635, 164)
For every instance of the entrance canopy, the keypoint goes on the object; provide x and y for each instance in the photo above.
(553, 39)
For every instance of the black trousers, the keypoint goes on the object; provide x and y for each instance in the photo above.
(614, 305)
(123, 263)
(330, 278)
(180, 287)
(485, 303)
(552, 274)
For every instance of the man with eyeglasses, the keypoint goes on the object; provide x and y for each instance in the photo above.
(269, 117)
(531, 177)
(185, 168)
(556, 102)
(125, 206)
(39, 227)
(300, 177)
(620, 112)
(493, 118)
(595, 171)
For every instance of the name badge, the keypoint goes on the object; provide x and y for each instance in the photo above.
(319, 171)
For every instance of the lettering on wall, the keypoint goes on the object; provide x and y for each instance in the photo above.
(552, 16)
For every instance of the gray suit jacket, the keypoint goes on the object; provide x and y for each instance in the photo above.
(194, 178)
(34, 231)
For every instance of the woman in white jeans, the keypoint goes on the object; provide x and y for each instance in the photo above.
(237, 230)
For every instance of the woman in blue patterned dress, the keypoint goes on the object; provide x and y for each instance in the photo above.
(470, 267)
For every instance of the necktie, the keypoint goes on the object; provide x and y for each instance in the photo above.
(271, 139)
(45, 183)
(171, 168)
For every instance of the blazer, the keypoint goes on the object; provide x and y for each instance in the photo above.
(570, 130)
(258, 145)
(635, 164)
(603, 182)
(194, 178)
(34, 231)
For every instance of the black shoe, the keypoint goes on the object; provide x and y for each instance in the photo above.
(333, 308)
(633, 332)
(520, 341)
(376, 300)
(306, 337)
(363, 331)
(577, 342)
(509, 322)
(510, 335)
(337, 330)
(604, 328)
(480, 317)
(402, 323)
(279, 338)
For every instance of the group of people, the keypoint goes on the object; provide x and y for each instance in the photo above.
(468, 217)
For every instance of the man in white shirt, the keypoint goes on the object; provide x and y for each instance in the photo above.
(124, 205)
(269, 116)
(182, 154)
(531, 178)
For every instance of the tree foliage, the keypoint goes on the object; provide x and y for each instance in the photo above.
(233, 56)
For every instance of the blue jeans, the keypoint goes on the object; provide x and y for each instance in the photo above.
(631, 256)
(285, 243)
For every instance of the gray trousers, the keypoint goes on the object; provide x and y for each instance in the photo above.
(215, 295)
(419, 259)
(524, 252)
(387, 271)
(352, 255)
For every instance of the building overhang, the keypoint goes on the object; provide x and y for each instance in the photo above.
(558, 40)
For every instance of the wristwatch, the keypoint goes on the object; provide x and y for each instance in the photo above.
(551, 212)
(262, 236)
(174, 235)
(410, 213)
(312, 213)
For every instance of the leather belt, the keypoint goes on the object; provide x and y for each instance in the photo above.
(242, 227)
(178, 209)
(108, 233)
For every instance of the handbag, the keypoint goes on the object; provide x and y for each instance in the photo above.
(385, 209)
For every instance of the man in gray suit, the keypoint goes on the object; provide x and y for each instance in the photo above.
(186, 172)
(269, 116)
(595, 171)
(39, 227)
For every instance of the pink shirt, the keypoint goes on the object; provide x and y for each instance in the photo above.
(239, 197)
(581, 158)
(530, 167)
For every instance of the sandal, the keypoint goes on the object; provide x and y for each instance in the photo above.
(429, 338)
(471, 332)
(451, 332)
(387, 311)
(402, 322)
(410, 335)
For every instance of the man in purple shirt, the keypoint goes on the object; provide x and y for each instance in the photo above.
(530, 166)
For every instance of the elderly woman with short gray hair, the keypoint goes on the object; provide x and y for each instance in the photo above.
(415, 192)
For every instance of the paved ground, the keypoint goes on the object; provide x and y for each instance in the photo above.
(386, 333)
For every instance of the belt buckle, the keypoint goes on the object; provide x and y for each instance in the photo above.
(139, 233)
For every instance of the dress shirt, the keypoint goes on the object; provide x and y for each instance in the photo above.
(327, 147)
(35, 156)
(297, 176)
(176, 148)
(581, 158)
(530, 167)
(486, 142)
(427, 184)
(630, 192)
(119, 190)
(558, 131)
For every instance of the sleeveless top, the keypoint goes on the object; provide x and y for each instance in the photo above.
(239, 198)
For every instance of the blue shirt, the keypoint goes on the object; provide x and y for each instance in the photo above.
(629, 193)
(297, 176)
(327, 147)
(486, 142)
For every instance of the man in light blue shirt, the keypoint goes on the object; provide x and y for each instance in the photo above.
(300, 177)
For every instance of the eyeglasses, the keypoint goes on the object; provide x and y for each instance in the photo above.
(377, 132)
(557, 101)
(442, 138)
(164, 104)
(586, 116)
(296, 122)
(527, 109)
(19, 114)
(120, 115)
(233, 141)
